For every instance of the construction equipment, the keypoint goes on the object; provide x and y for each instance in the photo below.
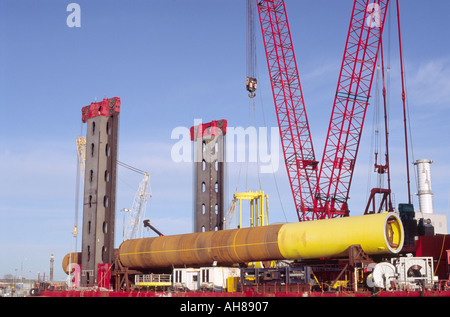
(81, 150)
(411, 273)
(102, 125)
(350, 105)
(290, 108)
(147, 224)
(259, 208)
(322, 193)
(250, 81)
(376, 234)
(133, 229)
(81, 154)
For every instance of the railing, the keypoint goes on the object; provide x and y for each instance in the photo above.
(153, 280)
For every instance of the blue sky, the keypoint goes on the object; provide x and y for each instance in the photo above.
(171, 62)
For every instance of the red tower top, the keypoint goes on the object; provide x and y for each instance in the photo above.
(207, 129)
(106, 107)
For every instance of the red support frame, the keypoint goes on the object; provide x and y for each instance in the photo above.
(290, 109)
(104, 275)
(207, 129)
(106, 107)
(350, 105)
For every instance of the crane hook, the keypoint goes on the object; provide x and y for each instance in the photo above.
(251, 84)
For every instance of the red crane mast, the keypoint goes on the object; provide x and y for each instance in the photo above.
(350, 105)
(320, 194)
(293, 123)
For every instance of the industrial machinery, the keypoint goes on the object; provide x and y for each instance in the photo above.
(133, 223)
(322, 193)
(209, 174)
(81, 154)
(259, 208)
(133, 226)
(99, 202)
(147, 224)
(382, 275)
(325, 245)
(405, 273)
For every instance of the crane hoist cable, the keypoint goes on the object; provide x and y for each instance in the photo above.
(273, 171)
(134, 169)
(250, 81)
(251, 86)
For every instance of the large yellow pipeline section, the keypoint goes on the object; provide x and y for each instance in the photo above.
(376, 234)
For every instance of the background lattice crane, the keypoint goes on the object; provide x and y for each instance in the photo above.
(135, 216)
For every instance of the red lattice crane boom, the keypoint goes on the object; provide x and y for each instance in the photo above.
(295, 134)
(320, 194)
(350, 106)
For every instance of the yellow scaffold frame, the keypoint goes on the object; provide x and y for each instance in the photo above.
(259, 208)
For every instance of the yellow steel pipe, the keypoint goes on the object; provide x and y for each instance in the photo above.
(377, 234)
